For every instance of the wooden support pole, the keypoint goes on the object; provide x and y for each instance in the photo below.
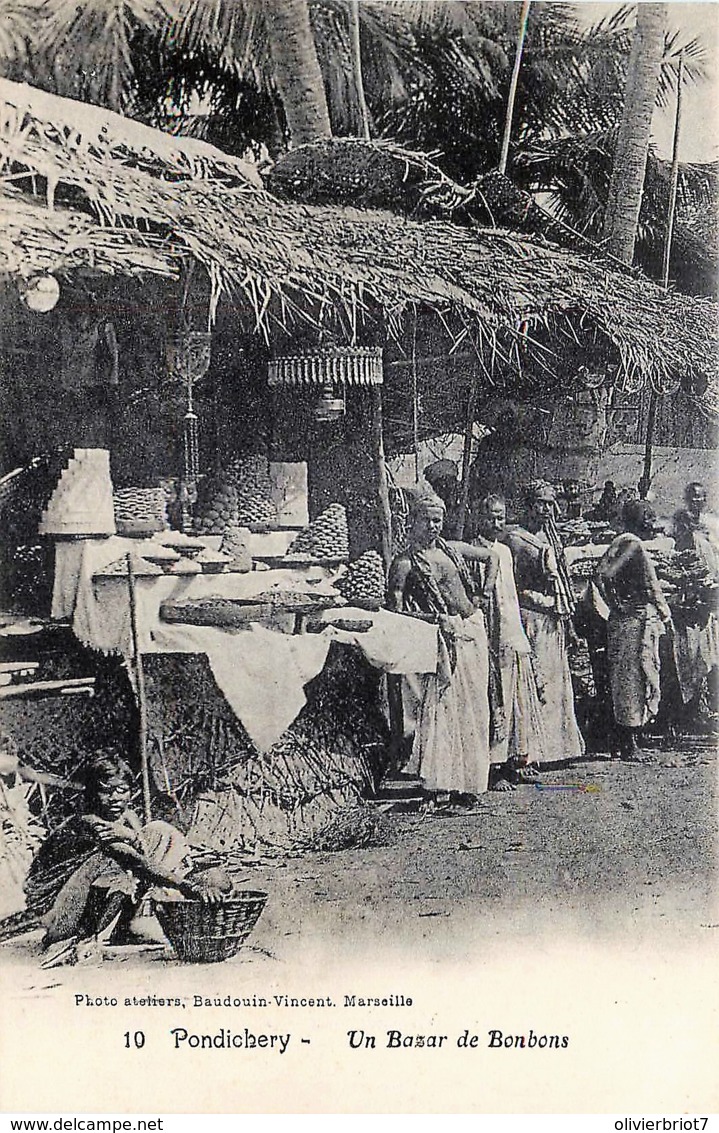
(646, 480)
(396, 720)
(415, 401)
(141, 696)
(394, 682)
(364, 127)
(674, 185)
(467, 454)
(514, 82)
(377, 440)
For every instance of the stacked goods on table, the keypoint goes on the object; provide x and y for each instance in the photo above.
(574, 532)
(241, 496)
(28, 565)
(601, 531)
(256, 508)
(691, 591)
(584, 568)
(158, 553)
(326, 539)
(82, 501)
(141, 568)
(235, 544)
(216, 507)
(363, 583)
(140, 511)
(215, 610)
(213, 562)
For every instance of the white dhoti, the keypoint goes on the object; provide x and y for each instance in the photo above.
(696, 653)
(547, 640)
(451, 741)
(523, 737)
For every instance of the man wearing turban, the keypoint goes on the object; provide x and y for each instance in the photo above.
(546, 600)
(429, 579)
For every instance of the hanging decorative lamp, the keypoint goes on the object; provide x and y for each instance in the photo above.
(188, 358)
(329, 370)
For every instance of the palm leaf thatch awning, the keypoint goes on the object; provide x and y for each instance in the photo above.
(82, 186)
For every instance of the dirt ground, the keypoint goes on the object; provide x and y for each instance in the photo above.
(602, 850)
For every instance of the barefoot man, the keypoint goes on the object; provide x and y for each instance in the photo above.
(451, 741)
(522, 745)
(638, 616)
(547, 603)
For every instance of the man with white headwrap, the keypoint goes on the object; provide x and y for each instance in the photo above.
(546, 600)
(522, 742)
(429, 579)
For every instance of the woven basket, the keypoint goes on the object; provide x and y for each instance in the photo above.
(206, 934)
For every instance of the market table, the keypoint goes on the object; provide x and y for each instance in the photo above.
(260, 671)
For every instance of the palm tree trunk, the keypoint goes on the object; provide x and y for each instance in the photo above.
(296, 70)
(630, 160)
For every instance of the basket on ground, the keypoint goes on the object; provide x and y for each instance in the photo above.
(205, 934)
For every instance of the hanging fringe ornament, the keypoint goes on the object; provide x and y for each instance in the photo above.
(192, 444)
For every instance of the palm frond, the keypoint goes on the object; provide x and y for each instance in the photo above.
(17, 27)
(98, 32)
(232, 35)
(696, 65)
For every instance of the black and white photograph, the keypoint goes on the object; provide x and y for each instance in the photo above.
(359, 557)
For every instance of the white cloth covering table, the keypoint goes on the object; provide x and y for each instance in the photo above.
(262, 673)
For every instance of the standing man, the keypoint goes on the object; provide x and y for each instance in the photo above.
(696, 646)
(450, 751)
(638, 616)
(443, 478)
(547, 603)
(514, 754)
(695, 529)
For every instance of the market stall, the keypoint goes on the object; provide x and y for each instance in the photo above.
(265, 313)
(178, 597)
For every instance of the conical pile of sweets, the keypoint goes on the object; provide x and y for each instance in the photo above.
(144, 507)
(251, 479)
(235, 543)
(363, 584)
(325, 538)
(216, 507)
(82, 501)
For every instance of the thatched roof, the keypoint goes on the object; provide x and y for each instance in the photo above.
(84, 186)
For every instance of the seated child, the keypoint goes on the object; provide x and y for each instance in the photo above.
(99, 864)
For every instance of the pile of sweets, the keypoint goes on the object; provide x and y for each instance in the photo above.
(363, 583)
(326, 539)
(251, 480)
(216, 508)
(689, 587)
